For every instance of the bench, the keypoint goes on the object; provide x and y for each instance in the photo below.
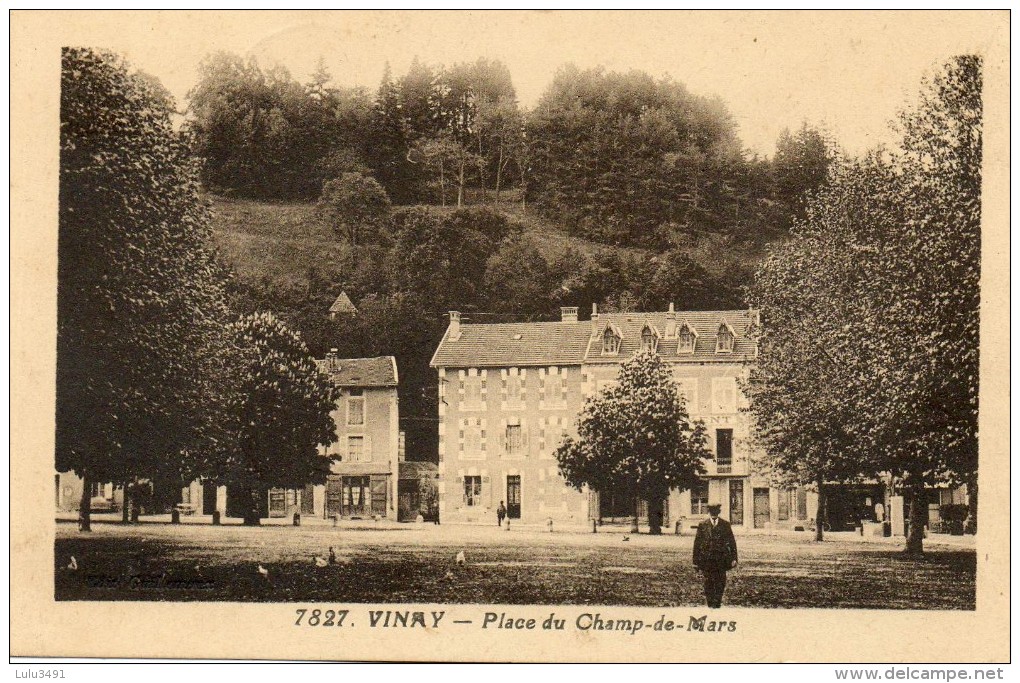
(185, 508)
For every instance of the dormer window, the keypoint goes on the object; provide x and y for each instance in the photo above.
(724, 340)
(686, 339)
(610, 342)
(649, 340)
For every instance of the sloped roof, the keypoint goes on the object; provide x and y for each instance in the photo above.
(343, 304)
(704, 323)
(574, 343)
(361, 372)
(514, 344)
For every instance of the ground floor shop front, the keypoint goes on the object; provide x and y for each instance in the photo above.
(346, 496)
(538, 495)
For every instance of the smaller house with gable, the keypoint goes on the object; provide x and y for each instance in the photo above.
(363, 484)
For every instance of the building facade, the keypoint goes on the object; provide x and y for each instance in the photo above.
(510, 393)
(363, 484)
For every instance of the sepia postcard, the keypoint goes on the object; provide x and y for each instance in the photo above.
(510, 336)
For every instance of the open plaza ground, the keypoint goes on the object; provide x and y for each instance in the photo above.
(416, 563)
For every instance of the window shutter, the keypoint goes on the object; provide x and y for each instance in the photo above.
(366, 449)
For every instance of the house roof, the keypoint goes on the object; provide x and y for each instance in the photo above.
(361, 372)
(574, 343)
(704, 323)
(514, 344)
(343, 304)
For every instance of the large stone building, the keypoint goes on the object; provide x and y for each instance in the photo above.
(509, 393)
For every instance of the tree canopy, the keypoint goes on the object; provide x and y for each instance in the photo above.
(355, 206)
(139, 295)
(277, 413)
(869, 347)
(636, 439)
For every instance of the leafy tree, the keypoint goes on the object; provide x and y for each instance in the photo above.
(387, 154)
(139, 295)
(470, 92)
(517, 278)
(444, 161)
(262, 134)
(896, 337)
(501, 125)
(932, 411)
(799, 168)
(420, 101)
(277, 414)
(622, 154)
(808, 390)
(355, 205)
(681, 280)
(636, 439)
(441, 258)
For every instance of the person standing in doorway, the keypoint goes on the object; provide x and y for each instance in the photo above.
(500, 513)
(715, 553)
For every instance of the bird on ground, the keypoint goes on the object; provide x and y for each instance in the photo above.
(332, 555)
(321, 561)
(73, 566)
(626, 538)
(460, 559)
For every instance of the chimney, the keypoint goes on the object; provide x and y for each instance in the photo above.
(331, 360)
(670, 330)
(568, 314)
(594, 317)
(454, 325)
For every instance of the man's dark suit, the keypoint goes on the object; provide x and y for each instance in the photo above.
(715, 552)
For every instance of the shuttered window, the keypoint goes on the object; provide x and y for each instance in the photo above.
(472, 490)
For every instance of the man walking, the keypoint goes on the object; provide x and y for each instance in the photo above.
(715, 553)
(500, 513)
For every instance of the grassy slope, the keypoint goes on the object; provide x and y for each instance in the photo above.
(283, 240)
(280, 241)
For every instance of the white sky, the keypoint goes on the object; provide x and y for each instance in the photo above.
(849, 72)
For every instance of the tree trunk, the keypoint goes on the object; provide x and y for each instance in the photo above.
(972, 505)
(252, 515)
(918, 514)
(634, 529)
(655, 516)
(820, 510)
(126, 511)
(442, 183)
(481, 168)
(499, 172)
(85, 509)
(460, 182)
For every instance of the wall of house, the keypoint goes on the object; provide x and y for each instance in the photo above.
(380, 437)
(476, 408)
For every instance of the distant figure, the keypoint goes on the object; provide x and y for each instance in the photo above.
(500, 513)
(715, 553)
(879, 512)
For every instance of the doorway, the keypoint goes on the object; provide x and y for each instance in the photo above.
(308, 500)
(333, 492)
(737, 501)
(208, 497)
(513, 496)
(762, 512)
